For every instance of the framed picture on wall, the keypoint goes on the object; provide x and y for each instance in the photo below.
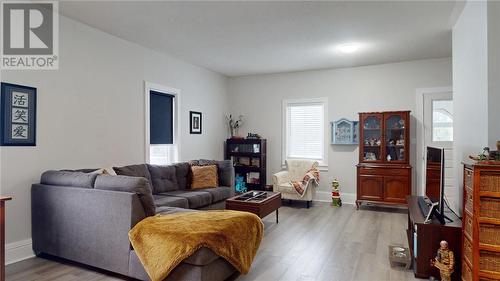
(345, 132)
(195, 122)
(18, 111)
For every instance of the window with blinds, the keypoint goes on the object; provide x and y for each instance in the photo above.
(162, 149)
(304, 127)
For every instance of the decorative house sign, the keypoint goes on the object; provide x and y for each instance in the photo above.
(345, 132)
(18, 115)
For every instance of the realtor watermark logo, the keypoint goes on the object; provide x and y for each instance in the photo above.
(30, 35)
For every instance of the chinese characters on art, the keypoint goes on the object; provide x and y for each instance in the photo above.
(18, 112)
(20, 103)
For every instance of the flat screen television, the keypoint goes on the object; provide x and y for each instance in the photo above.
(434, 176)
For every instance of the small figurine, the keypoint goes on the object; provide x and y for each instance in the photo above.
(444, 261)
(336, 201)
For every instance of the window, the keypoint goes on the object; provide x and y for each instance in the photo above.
(161, 125)
(442, 120)
(304, 127)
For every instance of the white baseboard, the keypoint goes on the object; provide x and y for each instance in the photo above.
(18, 251)
(324, 196)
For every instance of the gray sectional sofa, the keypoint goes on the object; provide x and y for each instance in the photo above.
(85, 217)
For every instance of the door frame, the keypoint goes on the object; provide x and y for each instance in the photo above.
(148, 86)
(420, 141)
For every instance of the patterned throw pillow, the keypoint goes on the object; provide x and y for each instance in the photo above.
(204, 176)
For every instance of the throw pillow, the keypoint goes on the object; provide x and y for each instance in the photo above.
(140, 170)
(225, 170)
(109, 171)
(204, 176)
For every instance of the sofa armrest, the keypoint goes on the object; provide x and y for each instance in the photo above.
(85, 225)
(226, 172)
(281, 177)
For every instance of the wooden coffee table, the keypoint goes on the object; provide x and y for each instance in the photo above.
(261, 203)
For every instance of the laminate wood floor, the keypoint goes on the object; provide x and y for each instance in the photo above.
(320, 243)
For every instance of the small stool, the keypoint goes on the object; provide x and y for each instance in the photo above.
(399, 255)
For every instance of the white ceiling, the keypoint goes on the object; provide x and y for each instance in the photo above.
(241, 38)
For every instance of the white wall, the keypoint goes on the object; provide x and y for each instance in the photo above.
(91, 114)
(349, 91)
(470, 85)
(493, 73)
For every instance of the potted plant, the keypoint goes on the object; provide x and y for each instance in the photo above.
(234, 125)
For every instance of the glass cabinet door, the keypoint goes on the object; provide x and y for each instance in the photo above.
(395, 134)
(372, 138)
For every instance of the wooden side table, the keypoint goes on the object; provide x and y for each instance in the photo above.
(2, 236)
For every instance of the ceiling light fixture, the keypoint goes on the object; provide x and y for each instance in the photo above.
(348, 48)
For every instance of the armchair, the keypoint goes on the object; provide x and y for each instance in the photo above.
(296, 169)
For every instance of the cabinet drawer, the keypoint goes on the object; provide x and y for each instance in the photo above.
(489, 261)
(468, 176)
(469, 200)
(468, 224)
(489, 182)
(489, 208)
(384, 172)
(489, 234)
(466, 272)
(468, 250)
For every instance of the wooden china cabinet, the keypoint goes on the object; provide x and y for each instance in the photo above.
(384, 172)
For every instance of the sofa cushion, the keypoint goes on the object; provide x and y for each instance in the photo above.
(285, 187)
(170, 201)
(67, 178)
(202, 256)
(182, 173)
(224, 169)
(140, 170)
(163, 210)
(219, 193)
(196, 199)
(138, 185)
(204, 176)
(163, 178)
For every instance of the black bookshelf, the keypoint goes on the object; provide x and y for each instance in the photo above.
(249, 160)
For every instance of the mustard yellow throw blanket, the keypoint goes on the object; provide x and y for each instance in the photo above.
(163, 241)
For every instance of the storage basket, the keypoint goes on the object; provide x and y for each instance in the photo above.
(489, 234)
(489, 261)
(468, 250)
(469, 200)
(490, 207)
(466, 273)
(490, 182)
(468, 225)
(468, 179)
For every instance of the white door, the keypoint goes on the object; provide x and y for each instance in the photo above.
(438, 132)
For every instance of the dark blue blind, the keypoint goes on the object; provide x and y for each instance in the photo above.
(161, 118)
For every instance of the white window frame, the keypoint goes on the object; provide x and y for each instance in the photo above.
(148, 86)
(323, 163)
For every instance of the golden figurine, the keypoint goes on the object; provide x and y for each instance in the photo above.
(444, 261)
